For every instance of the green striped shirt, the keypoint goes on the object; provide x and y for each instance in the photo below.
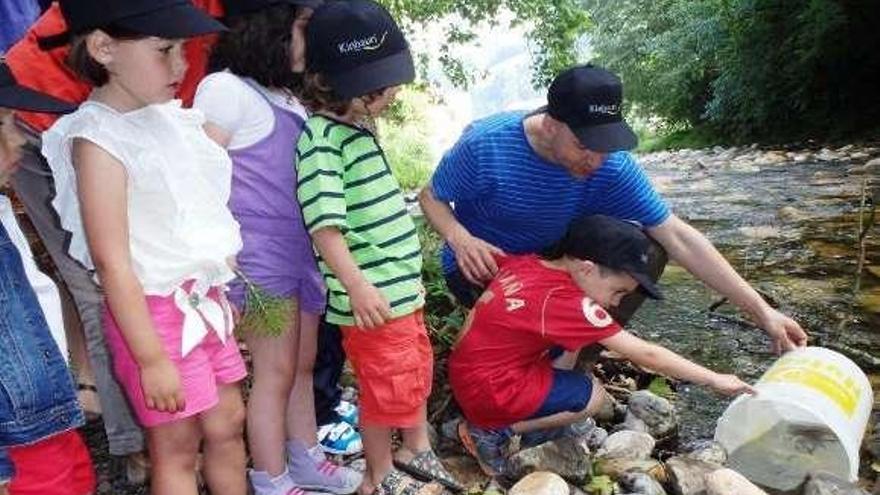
(346, 183)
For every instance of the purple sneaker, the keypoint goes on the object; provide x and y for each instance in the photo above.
(309, 468)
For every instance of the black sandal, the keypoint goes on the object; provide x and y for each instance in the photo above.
(397, 483)
(426, 466)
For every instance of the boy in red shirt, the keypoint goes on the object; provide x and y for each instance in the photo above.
(506, 371)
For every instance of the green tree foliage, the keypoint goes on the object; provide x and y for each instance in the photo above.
(404, 132)
(556, 26)
(748, 69)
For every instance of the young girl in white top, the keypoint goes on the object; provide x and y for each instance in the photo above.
(252, 111)
(143, 191)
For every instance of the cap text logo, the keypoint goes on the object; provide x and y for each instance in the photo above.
(605, 109)
(371, 43)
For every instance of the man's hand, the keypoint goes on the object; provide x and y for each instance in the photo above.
(730, 385)
(786, 334)
(369, 306)
(475, 257)
(161, 384)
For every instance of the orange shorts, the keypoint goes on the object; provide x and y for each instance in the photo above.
(394, 365)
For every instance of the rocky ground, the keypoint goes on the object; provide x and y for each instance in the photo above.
(632, 448)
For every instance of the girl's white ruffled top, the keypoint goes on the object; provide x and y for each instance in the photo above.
(180, 227)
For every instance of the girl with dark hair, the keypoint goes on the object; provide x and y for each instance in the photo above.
(252, 110)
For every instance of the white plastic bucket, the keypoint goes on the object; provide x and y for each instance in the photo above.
(809, 415)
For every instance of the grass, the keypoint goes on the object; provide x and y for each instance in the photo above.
(691, 138)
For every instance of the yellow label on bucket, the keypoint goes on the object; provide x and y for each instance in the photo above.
(823, 377)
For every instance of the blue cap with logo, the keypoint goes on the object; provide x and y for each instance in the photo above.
(589, 100)
(171, 19)
(358, 48)
(613, 243)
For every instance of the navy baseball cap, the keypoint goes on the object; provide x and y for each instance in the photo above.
(170, 19)
(616, 244)
(241, 7)
(358, 48)
(589, 100)
(17, 97)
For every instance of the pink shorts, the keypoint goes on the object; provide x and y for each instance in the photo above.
(209, 365)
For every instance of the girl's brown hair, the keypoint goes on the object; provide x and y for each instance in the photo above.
(257, 45)
(84, 65)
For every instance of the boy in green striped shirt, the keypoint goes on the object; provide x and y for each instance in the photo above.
(368, 247)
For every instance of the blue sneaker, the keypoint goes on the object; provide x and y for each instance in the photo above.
(347, 412)
(340, 439)
(488, 447)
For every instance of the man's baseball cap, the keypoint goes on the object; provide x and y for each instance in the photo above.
(588, 99)
(170, 19)
(613, 243)
(241, 7)
(17, 97)
(357, 47)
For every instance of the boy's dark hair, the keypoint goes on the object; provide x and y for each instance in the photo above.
(317, 95)
(86, 67)
(257, 46)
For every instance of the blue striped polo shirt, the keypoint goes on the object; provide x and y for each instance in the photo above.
(506, 194)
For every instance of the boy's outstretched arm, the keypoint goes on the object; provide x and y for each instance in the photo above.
(369, 306)
(663, 360)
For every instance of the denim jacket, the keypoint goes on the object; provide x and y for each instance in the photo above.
(37, 398)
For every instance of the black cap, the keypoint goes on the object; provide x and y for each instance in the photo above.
(588, 99)
(358, 48)
(241, 7)
(170, 19)
(613, 243)
(17, 97)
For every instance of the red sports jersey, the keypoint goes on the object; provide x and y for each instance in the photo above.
(500, 370)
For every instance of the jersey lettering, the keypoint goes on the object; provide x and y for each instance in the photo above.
(513, 304)
(510, 286)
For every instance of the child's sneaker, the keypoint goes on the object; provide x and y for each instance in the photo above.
(347, 412)
(339, 438)
(281, 485)
(309, 468)
(488, 447)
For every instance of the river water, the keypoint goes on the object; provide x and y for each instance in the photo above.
(791, 230)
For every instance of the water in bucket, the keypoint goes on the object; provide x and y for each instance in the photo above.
(809, 415)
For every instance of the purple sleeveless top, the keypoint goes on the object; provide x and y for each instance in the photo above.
(277, 254)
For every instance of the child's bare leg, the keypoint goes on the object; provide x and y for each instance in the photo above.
(558, 420)
(377, 452)
(307, 464)
(415, 439)
(301, 406)
(224, 461)
(274, 360)
(173, 450)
